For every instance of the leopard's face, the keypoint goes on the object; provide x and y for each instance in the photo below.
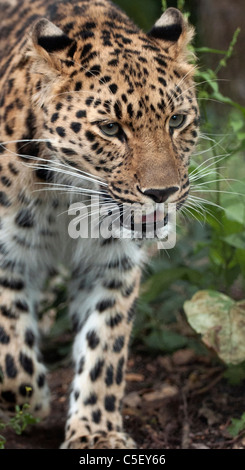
(126, 114)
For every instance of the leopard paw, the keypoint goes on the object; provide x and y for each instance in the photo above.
(101, 440)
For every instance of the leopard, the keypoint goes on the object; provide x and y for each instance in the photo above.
(90, 106)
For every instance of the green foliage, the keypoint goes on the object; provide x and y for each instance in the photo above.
(237, 426)
(144, 14)
(226, 214)
(18, 422)
(2, 442)
(165, 340)
(234, 374)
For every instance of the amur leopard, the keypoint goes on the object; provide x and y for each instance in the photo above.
(90, 105)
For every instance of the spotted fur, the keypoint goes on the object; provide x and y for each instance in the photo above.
(69, 71)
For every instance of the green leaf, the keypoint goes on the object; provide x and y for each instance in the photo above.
(237, 124)
(166, 341)
(216, 256)
(152, 288)
(225, 99)
(235, 374)
(237, 425)
(236, 212)
(240, 255)
(236, 239)
(180, 4)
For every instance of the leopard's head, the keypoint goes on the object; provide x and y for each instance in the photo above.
(119, 104)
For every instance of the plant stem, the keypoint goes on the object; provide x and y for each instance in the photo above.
(229, 52)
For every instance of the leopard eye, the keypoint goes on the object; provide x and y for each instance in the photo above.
(176, 121)
(111, 129)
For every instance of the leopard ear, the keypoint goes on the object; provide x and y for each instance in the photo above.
(49, 46)
(49, 37)
(174, 32)
(51, 53)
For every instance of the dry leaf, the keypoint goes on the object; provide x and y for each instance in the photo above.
(221, 322)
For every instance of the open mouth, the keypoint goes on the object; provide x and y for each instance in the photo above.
(148, 220)
(139, 220)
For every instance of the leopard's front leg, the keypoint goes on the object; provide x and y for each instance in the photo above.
(100, 353)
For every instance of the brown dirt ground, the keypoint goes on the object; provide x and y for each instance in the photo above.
(175, 401)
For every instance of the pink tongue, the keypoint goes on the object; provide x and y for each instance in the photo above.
(156, 216)
(149, 218)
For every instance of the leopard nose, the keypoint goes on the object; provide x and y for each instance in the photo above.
(160, 195)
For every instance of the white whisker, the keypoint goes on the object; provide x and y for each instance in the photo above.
(7, 142)
(60, 186)
(217, 191)
(66, 172)
(189, 213)
(196, 199)
(214, 181)
(217, 160)
(202, 174)
(74, 172)
(84, 203)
